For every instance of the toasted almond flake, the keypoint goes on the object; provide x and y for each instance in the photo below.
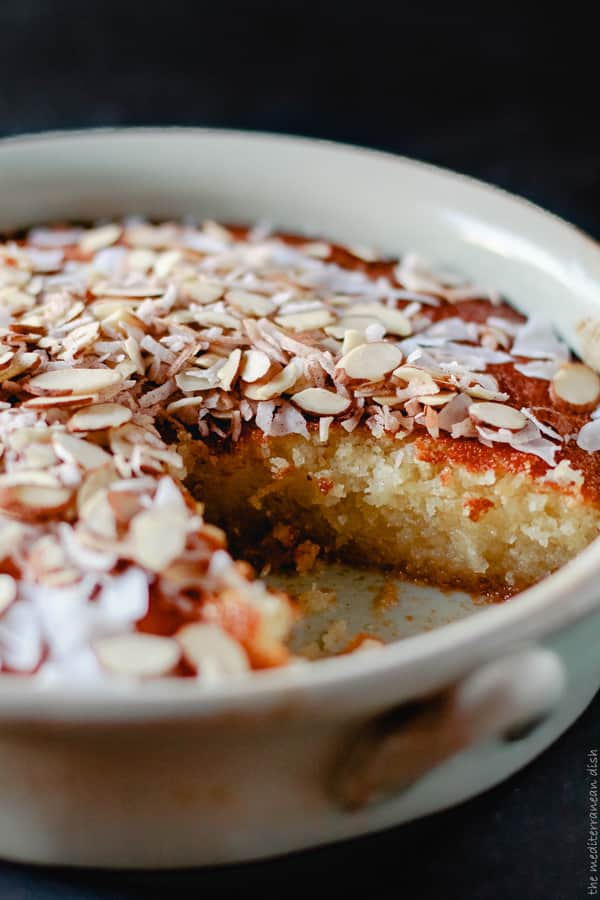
(395, 322)
(321, 402)
(576, 385)
(210, 650)
(306, 321)
(184, 403)
(80, 451)
(356, 323)
(99, 417)
(96, 511)
(202, 291)
(498, 415)
(228, 373)
(60, 401)
(157, 538)
(436, 399)
(8, 592)
(73, 381)
(255, 365)
(166, 262)
(371, 362)
(33, 498)
(138, 655)
(194, 380)
(387, 399)
(352, 339)
(98, 238)
(280, 384)
(481, 393)
(249, 303)
(21, 362)
(412, 374)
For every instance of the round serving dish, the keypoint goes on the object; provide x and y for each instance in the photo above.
(170, 774)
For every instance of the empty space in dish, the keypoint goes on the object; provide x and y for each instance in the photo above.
(366, 603)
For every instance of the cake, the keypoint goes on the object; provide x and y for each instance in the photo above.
(169, 391)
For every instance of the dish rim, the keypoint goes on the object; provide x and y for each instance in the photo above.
(491, 629)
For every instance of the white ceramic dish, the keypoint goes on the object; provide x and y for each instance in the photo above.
(172, 775)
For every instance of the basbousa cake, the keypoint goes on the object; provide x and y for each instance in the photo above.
(310, 399)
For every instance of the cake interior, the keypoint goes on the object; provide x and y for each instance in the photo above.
(375, 502)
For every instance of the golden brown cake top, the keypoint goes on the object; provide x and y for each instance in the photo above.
(109, 333)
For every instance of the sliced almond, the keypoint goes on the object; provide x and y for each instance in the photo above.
(499, 415)
(355, 323)
(20, 362)
(138, 655)
(415, 376)
(65, 401)
(387, 400)
(371, 362)
(206, 647)
(228, 373)
(394, 321)
(311, 320)
(98, 238)
(321, 402)
(576, 385)
(158, 538)
(73, 381)
(31, 501)
(249, 303)
(99, 416)
(280, 384)
(96, 512)
(202, 291)
(255, 365)
(80, 451)
(352, 338)
(194, 380)
(481, 393)
(437, 399)
(8, 591)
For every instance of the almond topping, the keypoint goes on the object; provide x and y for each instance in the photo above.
(137, 654)
(82, 452)
(394, 321)
(282, 382)
(576, 385)
(73, 381)
(207, 648)
(371, 362)
(99, 416)
(158, 538)
(352, 339)
(227, 374)
(250, 304)
(8, 591)
(498, 415)
(320, 402)
(60, 401)
(436, 399)
(98, 238)
(255, 365)
(306, 321)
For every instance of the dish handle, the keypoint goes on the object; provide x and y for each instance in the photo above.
(506, 698)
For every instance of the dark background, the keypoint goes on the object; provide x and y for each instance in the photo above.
(509, 96)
